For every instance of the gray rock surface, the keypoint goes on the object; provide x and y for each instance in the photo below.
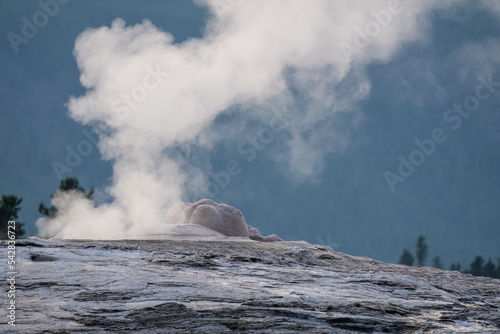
(161, 286)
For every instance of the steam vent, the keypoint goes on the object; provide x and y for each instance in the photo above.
(234, 282)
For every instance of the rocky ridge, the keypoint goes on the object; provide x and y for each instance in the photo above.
(172, 286)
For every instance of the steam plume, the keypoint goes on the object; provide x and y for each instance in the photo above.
(147, 95)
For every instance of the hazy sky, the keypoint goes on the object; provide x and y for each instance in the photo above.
(356, 123)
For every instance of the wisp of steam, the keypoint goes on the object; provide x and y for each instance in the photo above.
(147, 95)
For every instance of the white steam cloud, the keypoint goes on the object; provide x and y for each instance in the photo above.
(147, 95)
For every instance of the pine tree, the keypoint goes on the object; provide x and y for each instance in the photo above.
(422, 250)
(9, 208)
(456, 266)
(69, 183)
(406, 258)
(476, 267)
(436, 262)
(489, 269)
(497, 271)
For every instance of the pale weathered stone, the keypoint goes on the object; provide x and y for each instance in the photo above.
(221, 218)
